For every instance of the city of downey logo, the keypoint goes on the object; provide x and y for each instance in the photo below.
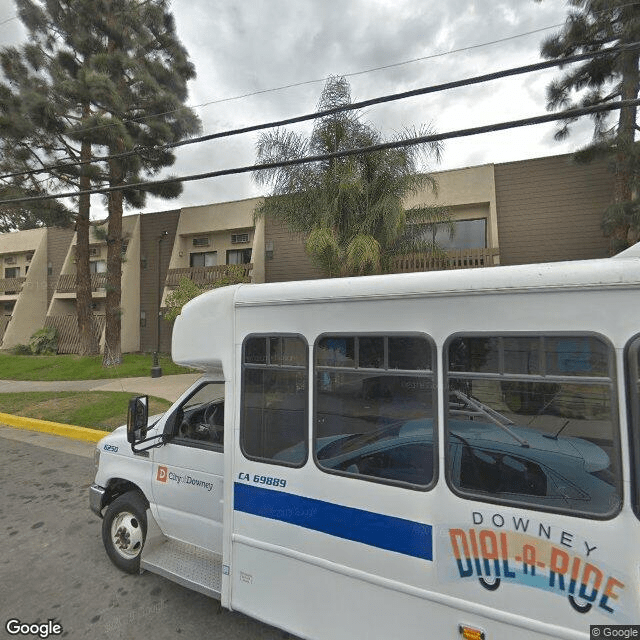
(162, 474)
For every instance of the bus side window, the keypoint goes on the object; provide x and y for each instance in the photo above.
(374, 408)
(534, 419)
(274, 421)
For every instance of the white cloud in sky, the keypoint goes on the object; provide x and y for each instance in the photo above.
(256, 45)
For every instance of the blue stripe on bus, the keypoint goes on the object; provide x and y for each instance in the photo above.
(375, 529)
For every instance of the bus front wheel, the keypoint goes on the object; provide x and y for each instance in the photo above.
(124, 529)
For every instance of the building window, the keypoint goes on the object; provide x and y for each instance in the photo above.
(375, 408)
(274, 421)
(204, 259)
(239, 256)
(532, 420)
(469, 234)
(143, 318)
(202, 241)
(12, 272)
(98, 266)
(29, 256)
(239, 238)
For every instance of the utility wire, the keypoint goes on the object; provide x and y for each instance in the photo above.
(341, 109)
(8, 20)
(460, 133)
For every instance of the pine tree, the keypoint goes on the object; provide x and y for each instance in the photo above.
(100, 76)
(597, 25)
(48, 118)
(146, 70)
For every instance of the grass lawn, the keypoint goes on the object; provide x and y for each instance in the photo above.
(76, 368)
(95, 409)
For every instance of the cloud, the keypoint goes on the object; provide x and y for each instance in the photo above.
(245, 47)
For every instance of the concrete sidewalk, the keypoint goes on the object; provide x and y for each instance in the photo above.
(167, 387)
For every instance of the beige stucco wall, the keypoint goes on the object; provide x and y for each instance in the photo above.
(31, 303)
(216, 221)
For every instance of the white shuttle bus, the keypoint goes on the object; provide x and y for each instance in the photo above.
(429, 455)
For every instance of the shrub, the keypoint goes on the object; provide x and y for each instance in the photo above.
(44, 342)
(22, 350)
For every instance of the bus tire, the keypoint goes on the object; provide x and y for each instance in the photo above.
(124, 529)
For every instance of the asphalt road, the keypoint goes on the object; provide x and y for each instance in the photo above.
(53, 564)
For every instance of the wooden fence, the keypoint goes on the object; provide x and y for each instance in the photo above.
(457, 259)
(67, 328)
(203, 275)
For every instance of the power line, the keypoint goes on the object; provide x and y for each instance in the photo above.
(8, 20)
(460, 133)
(538, 66)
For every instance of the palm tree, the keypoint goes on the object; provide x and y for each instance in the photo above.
(350, 209)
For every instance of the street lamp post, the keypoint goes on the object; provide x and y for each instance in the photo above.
(156, 369)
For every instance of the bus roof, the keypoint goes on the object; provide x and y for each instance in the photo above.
(606, 272)
(203, 334)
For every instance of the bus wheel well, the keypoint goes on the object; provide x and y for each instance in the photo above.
(119, 486)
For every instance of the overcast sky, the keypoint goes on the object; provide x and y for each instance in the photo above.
(242, 47)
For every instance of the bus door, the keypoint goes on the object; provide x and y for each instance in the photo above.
(187, 481)
(332, 496)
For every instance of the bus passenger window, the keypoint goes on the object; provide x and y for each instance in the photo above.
(274, 421)
(374, 409)
(532, 421)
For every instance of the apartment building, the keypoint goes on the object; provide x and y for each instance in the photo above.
(538, 210)
(62, 310)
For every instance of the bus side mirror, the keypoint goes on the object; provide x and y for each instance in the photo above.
(137, 419)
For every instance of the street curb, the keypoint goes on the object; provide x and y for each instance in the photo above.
(55, 428)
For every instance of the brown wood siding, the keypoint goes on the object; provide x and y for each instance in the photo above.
(151, 227)
(290, 261)
(550, 209)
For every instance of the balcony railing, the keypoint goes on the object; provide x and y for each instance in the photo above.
(203, 275)
(10, 286)
(457, 259)
(67, 282)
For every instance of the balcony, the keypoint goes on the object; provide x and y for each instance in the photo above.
(11, 286)
(456, 259)
(67, 282)
(204, 276)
